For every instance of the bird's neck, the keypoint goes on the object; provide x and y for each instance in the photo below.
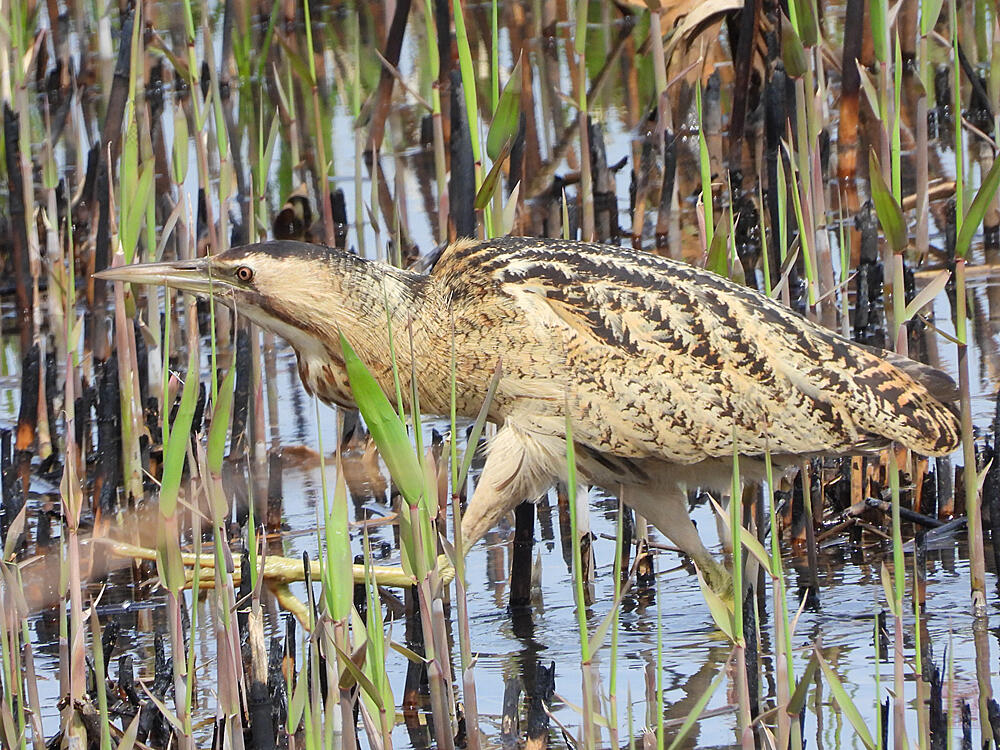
(390, 315)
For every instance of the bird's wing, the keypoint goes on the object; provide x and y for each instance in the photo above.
(663, 359)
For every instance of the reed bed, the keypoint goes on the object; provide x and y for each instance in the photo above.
(147, 439)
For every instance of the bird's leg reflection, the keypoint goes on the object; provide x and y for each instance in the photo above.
(523, 624)
(544, 512)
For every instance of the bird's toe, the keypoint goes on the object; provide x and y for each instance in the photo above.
(718, 578)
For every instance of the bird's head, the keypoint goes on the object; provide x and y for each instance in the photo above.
(307, 294)
(301, 292)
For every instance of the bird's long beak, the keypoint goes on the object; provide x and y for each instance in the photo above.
(186, 275)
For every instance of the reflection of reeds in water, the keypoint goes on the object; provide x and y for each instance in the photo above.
(178, 132)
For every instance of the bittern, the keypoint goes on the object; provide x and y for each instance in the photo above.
(663, 369)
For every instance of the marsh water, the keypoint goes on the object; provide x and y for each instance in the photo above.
(668, 635)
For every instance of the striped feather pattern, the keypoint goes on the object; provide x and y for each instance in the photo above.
(659, 359)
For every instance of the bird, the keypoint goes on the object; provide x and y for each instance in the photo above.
(661, 370)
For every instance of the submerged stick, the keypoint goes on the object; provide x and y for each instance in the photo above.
(280, 570)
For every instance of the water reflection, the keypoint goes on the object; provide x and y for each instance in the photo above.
(842, 589)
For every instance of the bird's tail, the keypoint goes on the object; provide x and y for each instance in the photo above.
(907, 402)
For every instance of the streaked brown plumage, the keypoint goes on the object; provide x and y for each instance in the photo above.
(661, 366)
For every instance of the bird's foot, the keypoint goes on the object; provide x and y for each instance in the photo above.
(718, 579)
(446, 570)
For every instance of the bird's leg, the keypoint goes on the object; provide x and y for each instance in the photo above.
(518, 467)
(667, 509)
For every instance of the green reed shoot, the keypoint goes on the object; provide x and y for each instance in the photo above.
(99, 678)
(416, 524)
(465, 65)
(389, 434)
(765, 259)
(805, 241)
(10, 669)
(918, 660)
(578, 584)
(782, 631)
(951, 686)
(434, 72)
(895, 146)
(896, 602)
(956, 103)
(615, 622)
(586, 177)
(699, 707)
(336, 551)
(843, 699)
(706, 171)
(660, 737)
(878, 678)
(967, 223)
(376, 640)
(800, 66)
(131, 225)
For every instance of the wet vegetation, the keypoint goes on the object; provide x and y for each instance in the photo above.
(195, 555)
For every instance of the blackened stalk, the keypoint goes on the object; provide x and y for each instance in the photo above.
(743, 56)
(19, 231)
(393, 48)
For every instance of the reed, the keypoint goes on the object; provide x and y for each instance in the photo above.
(262, 118)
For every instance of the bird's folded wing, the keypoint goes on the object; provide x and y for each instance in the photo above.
(661, 359)
(682, 371)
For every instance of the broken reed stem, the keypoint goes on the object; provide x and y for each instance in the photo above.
(976, 551)
(129, 389)
(898, 575)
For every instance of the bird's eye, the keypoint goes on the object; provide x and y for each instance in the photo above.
(244, 274)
